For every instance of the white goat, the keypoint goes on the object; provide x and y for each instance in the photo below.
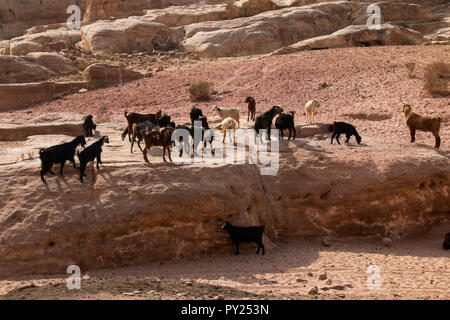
(228, 124)
(310, 109)
(228, 112)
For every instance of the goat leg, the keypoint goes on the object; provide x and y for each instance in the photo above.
(42, 177)
(62, 166)
(237, 249)
(82, 168)
(337, 138)
(438, 142)
(413, 135)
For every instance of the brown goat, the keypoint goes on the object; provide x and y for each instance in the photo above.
(415, 122)
(251, 108)
(161, 138)
(136, 118)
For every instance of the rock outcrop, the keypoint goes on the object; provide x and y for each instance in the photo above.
(127, 35)
(22, 69)
(137, 213)
(20, 95)
(17, 16)
(49, 40)
(100, 75)
(53, 61)
(356, 36)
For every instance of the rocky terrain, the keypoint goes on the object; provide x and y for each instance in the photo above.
(148, 36)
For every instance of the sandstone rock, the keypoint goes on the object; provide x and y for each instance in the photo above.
(338, 287)
(16, 96)
(441, 36)
(50, 40)
(101, 75)
(314, 290)
(358, 36)
(127, 35)
(399, 12)
(17, 16)
(219, 297)
(84, 90)
(53, 61)
(268, 31)
(21, 69)
(101, 10)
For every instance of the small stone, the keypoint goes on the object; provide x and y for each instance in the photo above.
(84, 90)
(322, 275)
(338, 287)
(325, 288)
(324, 243)
(189, 283)
(137, 292)
(387, 242)
(341, 295)
(348, 285)
(310, 274)
(329, 282)
(156, 280)
(219, 297)
(301, 280)
(313, 290)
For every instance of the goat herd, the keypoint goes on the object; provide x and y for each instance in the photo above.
(157, 130)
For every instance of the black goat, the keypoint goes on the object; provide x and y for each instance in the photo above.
(251, 108)
(245, 234)
(286, 121)
(339, 128)
(89, 126)
(195, 114)
(59, 154)
(446, 244)
(264, 121)
(164, 121)
(90, 154)
(138, 132)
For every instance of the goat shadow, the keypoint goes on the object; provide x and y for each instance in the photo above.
(443, 153)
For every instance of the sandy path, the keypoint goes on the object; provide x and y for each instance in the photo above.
(415, 268)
